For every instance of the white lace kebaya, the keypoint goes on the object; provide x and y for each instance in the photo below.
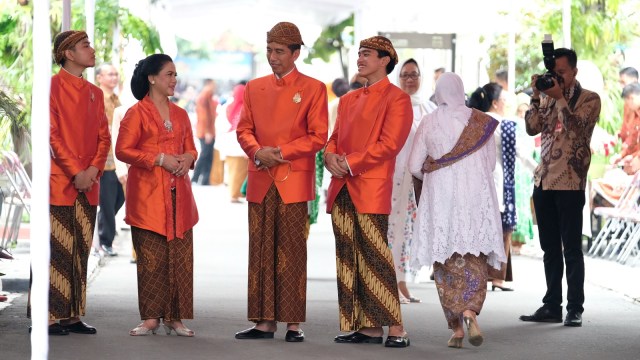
(458, 208)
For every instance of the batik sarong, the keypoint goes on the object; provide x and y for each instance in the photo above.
(277, 289)
(71, 236)
(462, 285)
(367, 287)
(165, 274)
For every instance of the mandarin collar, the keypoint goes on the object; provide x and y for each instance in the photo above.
(77, 82)
(378, 86)
(288, 78)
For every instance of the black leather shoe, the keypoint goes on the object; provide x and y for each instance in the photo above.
(56, 329)
(357, 338)
(397, 342)
(109, 250)
(294, 336)
(543, 315)
(574, 318)
(254, 333)
(80, 328)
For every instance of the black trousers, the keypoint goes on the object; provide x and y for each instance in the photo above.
(203, 165)
(559, 214)
(111, 200)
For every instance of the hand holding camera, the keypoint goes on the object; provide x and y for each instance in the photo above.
(549, 81)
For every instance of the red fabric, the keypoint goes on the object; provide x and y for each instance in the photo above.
(371, 128)
(235, 108)
(290, 113)
(79, 136)
(141, 138)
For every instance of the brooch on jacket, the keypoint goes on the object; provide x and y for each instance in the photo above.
(297, 98)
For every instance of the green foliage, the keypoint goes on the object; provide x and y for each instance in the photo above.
(109, 17)
(334, 38)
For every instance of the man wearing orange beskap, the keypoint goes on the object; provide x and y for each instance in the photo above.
(80, 142)
(372, 126)
(282, 126)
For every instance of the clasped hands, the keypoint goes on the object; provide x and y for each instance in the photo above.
(269, 157)
(336, 164)
(177, 165)
(84, 180)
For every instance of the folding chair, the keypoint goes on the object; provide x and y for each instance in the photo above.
(617, 228)
(18, 197)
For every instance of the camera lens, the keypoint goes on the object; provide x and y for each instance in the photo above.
(544, 82)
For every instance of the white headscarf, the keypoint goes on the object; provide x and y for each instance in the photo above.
(450, 99)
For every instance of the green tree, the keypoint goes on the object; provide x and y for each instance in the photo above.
(334, 38)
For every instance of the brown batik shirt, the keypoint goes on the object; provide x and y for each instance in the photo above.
(566, 126)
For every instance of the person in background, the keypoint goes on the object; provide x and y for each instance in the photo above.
(111, 191)
(436, 75)
(525, 166)
(491, 99)
(80, 143)
(403, 198)
(282, 126)
(205, 132)
(566, 118)
(372, 126)
(458, 228)
(156, 140)
(234, 157)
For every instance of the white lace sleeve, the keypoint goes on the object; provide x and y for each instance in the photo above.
(491, 153)
(418, 151)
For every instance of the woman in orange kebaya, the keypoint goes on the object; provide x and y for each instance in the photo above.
(156, 140)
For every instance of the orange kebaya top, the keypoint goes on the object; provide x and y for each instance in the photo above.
(141, 138)
(291, 113)
(79, 136)
(372, 126)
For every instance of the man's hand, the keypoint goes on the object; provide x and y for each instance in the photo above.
(269, 157)
(536, 92)
(208, 138)
(123, 179)
(84, 180)
(336, 164)
(555, 92)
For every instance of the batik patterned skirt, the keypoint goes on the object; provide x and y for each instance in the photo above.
(277, 288)
(462, 285)
(367, 287)
(165, 274)
(71, 236)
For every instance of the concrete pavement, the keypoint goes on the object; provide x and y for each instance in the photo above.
(610, 329)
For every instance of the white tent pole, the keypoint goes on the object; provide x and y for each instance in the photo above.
(41, 168)
(90, 13)
(66, 15)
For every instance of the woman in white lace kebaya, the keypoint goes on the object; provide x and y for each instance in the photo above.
(458, 228)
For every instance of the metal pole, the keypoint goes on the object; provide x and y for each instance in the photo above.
(39, 293)
(453, 52)
(66, 15)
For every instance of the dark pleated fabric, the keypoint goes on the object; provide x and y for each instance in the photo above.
(165, 274)
(367, 288)
(277, 289)
(462, 285)
(71, 236)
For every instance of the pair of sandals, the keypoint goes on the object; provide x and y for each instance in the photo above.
(408, 300)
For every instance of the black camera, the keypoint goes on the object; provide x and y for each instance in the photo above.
(545, 81)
